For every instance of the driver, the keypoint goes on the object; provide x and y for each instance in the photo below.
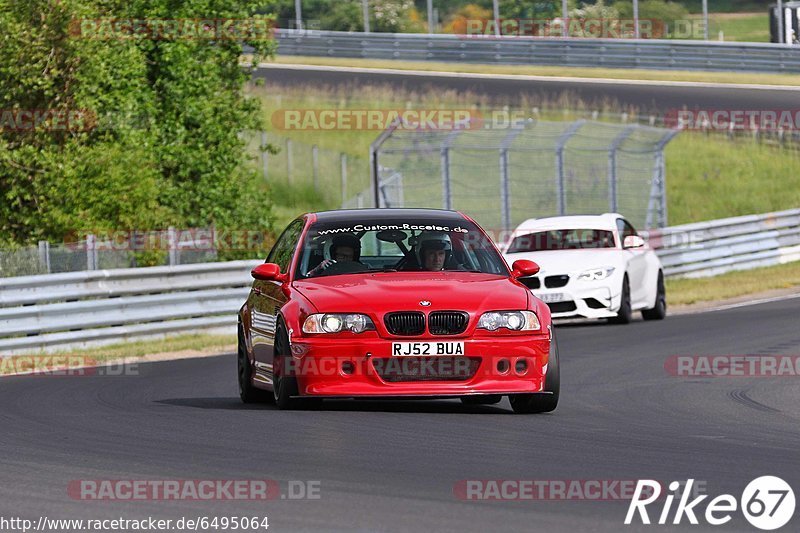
(434, 250)
(344, 247)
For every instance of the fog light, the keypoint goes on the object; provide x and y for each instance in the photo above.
(348, 368)
(503, 365)
(521, 366)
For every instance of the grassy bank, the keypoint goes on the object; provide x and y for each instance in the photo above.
(181, 346)
(708, 175)
(740, 27)
(733, 284)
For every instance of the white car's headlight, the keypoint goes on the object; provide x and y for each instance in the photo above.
(337, 322)
(513, 320)
(596, 274)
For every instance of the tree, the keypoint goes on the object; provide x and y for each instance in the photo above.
(159, 142)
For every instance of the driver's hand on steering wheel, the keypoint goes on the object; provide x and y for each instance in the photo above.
(320, 267)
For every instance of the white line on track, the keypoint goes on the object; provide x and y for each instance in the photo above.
(526, 77)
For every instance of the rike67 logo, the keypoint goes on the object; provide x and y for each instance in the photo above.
(767, 503)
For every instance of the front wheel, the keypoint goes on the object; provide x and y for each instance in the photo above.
(625, 313)
(284, 384)
(659, 312)
(542, 403)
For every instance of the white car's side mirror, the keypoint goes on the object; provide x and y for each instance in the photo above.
(633, 241)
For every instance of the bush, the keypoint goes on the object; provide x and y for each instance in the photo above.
(180, 162)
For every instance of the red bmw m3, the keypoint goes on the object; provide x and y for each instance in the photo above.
(379, 303)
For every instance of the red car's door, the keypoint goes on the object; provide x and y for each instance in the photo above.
(267, 298)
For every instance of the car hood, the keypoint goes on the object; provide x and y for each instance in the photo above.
(570, 261)
(394, 291)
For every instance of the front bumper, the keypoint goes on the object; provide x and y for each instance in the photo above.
(581, 299)
(320, 365)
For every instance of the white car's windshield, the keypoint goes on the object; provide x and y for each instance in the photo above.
(407, 245)
(562, 239)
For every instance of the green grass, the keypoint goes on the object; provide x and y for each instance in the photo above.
(200, 343)
(740, 27)
(534, 70)
(733, 284)
(709, 178)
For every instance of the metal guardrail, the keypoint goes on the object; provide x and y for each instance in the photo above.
(719, 246)
(46, 312)
(609, 53)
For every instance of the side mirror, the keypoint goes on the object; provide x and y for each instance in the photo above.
(268, 272)
(523, 268)
(633, 241)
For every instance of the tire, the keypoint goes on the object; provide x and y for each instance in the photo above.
(284, 385)
(247, 392)
(625, 313)
(542, 403)
(484, 399)
(659, 312)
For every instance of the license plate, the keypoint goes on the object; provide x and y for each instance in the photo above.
(551, 297)
(403, 349)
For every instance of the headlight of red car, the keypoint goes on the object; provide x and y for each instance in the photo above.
(337, 322)
(513, 320)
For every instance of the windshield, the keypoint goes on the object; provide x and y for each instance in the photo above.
(562, 239)
(398, 245)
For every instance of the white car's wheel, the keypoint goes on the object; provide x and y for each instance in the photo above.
(625, 313)
(659, 311)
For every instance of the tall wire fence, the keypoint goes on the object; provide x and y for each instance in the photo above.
(336, 177)
(536, 168)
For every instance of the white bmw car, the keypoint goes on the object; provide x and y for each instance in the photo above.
(591, 266)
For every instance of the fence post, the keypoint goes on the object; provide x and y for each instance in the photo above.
(44, 255)
(315, 165)
(613, 203)
(91, 252)
(173, 246)
(289, 161)
(561, 191)
(447, 192)
(264, 155)
(447, 202)
(343, 166)
(505, 181)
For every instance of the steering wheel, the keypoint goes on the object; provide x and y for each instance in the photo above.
(344, 267)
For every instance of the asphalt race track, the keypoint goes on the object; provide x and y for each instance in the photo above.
(651, 98)
(392, 466)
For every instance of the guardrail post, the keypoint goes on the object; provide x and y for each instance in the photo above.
(44, 255)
